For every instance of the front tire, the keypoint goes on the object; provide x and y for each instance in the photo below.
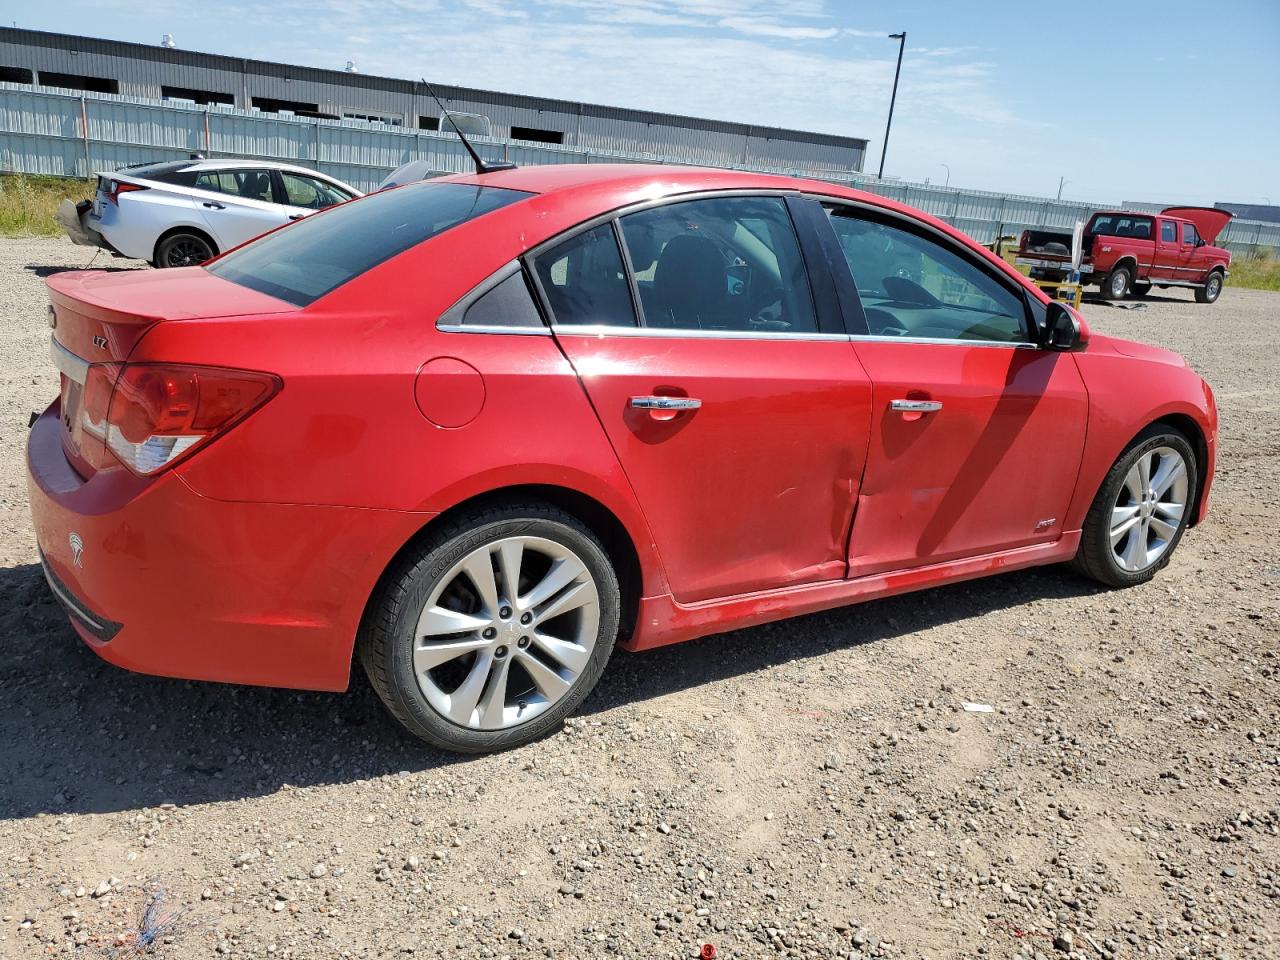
(1211, 290)
(1141, 510)
(494, 629)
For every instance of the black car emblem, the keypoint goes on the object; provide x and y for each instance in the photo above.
(100, 342)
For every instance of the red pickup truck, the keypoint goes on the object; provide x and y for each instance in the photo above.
(1127, 254)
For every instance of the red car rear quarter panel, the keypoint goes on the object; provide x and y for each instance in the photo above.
(255, 593)
(1130, 386)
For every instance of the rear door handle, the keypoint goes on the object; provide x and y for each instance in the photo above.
(916, 406)
(665, 403)
(214, 205)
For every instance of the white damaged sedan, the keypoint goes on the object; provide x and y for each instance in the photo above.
(184, 212)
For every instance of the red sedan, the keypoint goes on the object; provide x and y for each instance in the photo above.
(481, 429)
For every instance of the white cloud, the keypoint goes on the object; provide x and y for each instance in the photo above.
(751, 61)
(766, 28)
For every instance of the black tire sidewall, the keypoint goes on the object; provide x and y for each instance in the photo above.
(165, 245)
(1100, 513)
(1204, 295)
(414, 710)
(1110, 282)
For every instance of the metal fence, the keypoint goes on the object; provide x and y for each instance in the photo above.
(72, 135)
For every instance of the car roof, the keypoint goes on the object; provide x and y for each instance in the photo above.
(223, 164)
(216, 163)
(553, 178)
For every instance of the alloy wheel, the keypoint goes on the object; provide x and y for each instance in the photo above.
(506, 632)
(1149, 509)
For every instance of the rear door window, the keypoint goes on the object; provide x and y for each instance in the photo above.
(584, 281)
(318, 254)
(1121, 225)
(1168, 231)
(724, 263)
(248, 184)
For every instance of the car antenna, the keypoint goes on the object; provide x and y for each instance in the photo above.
(482, 166)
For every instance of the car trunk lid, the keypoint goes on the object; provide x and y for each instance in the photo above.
(98, 318)
(1209, 221)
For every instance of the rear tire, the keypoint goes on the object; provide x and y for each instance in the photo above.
(461, 658)
(1211, 290)
(184, 249)
(1150, 521)
(1116, 286)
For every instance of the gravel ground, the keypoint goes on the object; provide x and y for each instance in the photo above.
(806, 789)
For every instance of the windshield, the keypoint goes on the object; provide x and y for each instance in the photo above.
(315, 256)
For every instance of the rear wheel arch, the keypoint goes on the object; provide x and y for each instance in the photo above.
(1129, 265)
(599, 519)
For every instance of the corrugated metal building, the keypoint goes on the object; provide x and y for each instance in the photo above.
(1252, 211)
(65, 62)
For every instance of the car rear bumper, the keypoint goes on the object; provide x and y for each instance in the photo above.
(158, 579)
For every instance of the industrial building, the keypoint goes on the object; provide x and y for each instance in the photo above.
(161, 72)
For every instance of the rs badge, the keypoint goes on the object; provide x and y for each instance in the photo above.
(77, 549)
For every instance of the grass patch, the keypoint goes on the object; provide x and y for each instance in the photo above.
(27, 203)
(1255, 273)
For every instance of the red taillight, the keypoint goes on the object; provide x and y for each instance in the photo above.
(151, 415)
(114, 188)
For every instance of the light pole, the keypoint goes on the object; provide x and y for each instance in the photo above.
(1061, 182)
(948, 183)
(902, 43)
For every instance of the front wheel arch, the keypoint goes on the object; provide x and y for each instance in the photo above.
(1190, 429)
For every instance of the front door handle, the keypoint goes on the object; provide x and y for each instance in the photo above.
(665, 403)
(296, 216)
(214, 205)
(916, 406)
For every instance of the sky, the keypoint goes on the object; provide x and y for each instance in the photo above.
(1169, 101)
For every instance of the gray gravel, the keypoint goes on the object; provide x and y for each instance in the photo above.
(805, 789)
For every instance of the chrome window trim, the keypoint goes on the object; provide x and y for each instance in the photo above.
(67, 362)
(493, 328)
(944, 341)
(664, 333)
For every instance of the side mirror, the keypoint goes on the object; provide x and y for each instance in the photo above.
(1201, 242)
(1061, 328)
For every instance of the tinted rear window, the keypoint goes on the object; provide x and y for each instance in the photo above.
(172, 171)
(314, 256)
(1121, 225)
